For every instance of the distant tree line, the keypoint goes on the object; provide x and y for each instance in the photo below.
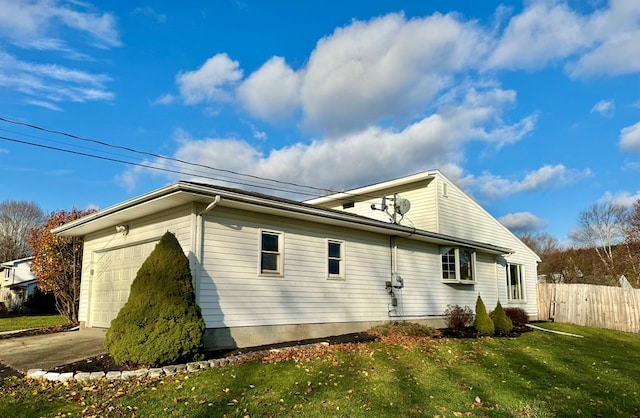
(605, 245)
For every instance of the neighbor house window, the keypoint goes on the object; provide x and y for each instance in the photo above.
(515, 282)
(271, 253)
(335, 259)
(458, 264)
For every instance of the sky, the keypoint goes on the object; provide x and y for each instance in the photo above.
(532, 108)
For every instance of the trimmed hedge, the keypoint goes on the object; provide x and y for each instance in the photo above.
(161, 321)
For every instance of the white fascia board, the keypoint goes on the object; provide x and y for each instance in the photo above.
(350, 194)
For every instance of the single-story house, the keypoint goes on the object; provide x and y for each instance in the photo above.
(268, 269)
(18, 282)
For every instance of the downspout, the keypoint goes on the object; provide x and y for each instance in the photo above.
(199, 250)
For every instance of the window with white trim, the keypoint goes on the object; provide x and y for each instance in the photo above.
(515, 282)
(335, 259)
(458, 264)
(7, 273)
(271, 253)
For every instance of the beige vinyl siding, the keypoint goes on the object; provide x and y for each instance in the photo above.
(234, 294)
(422, 195)
(425, 293)
(462, 217)
(177, 221)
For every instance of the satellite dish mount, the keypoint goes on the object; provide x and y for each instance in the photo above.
(398, 206)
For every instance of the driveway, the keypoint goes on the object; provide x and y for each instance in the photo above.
(51, 350)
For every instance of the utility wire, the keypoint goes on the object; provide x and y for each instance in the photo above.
(169, 170)
(150, 154)
(221, 177)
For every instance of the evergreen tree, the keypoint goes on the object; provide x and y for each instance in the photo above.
(483, 323)
(161, 321)
(501, 322)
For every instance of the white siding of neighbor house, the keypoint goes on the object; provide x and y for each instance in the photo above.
(233, 294)
(149, 229)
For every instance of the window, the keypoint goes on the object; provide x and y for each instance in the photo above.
(335, 259)
(458, 264)
(7, 273)
(271, 253)
(515, 282)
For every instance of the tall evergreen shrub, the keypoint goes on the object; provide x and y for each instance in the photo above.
(501, 321)
(483, 323)
(161, 321)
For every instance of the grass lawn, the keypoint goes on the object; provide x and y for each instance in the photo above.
(536, 375)
(13, 323)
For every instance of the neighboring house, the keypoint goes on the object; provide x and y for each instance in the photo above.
(18, 283)
(268, 269)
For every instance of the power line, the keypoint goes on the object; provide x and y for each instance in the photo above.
(150, 154)
(169, 170)
(158, 167)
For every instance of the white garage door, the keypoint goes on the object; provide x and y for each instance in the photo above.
(114, 273)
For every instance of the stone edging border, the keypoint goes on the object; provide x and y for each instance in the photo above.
(39, 374)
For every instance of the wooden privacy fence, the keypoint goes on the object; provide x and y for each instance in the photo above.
(584, 304)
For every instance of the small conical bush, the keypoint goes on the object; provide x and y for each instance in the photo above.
(483, 323)
(501, 322)
(161, 321)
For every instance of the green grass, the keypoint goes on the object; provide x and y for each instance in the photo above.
(536, 375)
(13, 323)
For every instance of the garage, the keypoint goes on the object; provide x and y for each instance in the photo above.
(114, 272)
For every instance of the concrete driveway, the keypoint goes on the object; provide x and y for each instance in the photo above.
(51, 350)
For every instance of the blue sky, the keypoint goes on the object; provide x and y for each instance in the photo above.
(531, 107)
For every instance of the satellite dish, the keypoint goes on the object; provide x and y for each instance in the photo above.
(402, 206)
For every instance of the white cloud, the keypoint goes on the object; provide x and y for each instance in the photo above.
(272, 92)
(522, 222)
(36, 22)
(211, 81)
(148, 11)
(604, 107)
(52, 83)
(387, 68)
(491, 186)
(165, 99)
(630, 138)
(625, 199)
(544, 32)
(46, 105)
(353, 159)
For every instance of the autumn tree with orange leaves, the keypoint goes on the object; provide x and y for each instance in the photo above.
(57, 262)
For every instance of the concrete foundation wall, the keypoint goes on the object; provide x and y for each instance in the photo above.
(238, 337)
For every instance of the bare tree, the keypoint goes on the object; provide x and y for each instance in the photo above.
(602, 227)
(18, 220)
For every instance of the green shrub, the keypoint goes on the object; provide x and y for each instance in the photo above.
(483, 323)
(518, 316)
(161, 321)
(457, 317)
(501, 321)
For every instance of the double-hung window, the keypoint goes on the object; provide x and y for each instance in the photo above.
(335, 259)
(271, 253)
(458, 264)
(515, 282)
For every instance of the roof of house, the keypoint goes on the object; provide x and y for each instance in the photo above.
(184, 192)
(13, 263)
